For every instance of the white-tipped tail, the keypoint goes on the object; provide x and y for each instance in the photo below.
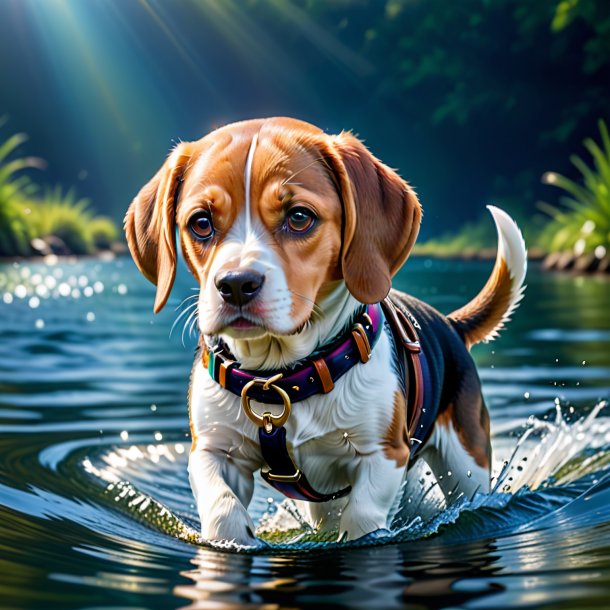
(484, 317)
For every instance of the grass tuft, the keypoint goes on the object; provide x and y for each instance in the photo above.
(58, 217)
(582, 223)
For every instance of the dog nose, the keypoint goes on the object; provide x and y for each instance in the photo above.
(239, 287)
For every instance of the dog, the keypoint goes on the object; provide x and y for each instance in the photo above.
(294, 236)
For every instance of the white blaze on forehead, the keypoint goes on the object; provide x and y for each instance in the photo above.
(248, 181)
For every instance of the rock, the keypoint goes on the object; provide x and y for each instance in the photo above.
(119, 247)
(566, 261)
(586, 263)
(57, 245)
(550, 262)
(40, 246)
(604, 264)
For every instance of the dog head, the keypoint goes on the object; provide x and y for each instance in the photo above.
(270, 213)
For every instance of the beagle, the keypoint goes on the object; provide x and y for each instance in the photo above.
(294, 236)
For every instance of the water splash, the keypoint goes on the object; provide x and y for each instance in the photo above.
(541, 466)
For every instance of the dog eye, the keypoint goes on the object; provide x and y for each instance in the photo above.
(201, 225)
(300, 220)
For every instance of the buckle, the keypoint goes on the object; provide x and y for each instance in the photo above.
(267, 420)
(362, 342)
(284, 478)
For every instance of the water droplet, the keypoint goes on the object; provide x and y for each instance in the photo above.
(124, 435)
(122, 289)
(153, 407)
(64, 289)
(75, 293)
(158, 436)
(7, 298)
(469, 474)
(449, 473)
(88, 291)
(526, 395)
(34, 302)
(39, 324)
(345, 435)
(98, 287)
(90, 316)
(584, 362)
(21, 291)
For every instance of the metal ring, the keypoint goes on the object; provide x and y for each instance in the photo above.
(261, 420)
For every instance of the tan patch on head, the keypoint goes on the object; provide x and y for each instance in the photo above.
(214, 183)
(396, 439)
(367, 216)
(289, 172)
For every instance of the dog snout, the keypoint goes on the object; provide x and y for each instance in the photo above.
(239, 287)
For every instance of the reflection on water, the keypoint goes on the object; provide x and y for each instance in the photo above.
(95, 507)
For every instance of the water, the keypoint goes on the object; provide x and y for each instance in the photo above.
(96, 510)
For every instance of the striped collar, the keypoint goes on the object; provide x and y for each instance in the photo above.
(316, 374)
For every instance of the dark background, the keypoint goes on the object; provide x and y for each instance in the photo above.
(472, 101)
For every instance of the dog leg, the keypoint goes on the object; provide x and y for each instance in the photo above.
(375, 482)
(222, 487)
(457, 472)
(323, 516)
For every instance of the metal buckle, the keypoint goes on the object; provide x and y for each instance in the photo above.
(284, 478)
(267, 420)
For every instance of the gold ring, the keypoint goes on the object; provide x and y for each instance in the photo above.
(267, 419)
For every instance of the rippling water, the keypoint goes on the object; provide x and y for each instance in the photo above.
(96, 510)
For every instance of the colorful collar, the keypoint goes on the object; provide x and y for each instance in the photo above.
(315, 375)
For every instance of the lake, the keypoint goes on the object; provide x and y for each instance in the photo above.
(96, 509)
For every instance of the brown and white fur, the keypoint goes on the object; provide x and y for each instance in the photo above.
(247, 177)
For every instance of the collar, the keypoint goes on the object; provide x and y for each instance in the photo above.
(316, 374)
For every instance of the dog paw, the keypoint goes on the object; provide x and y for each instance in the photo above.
(228, 520)
(356, 524)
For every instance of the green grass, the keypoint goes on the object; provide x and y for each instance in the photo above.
(57, 214)
(581, 223)
(469, 241)
(15, 234)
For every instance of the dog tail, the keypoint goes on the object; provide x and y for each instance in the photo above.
(484, 317)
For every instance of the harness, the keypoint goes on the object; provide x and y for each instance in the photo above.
(317, 374)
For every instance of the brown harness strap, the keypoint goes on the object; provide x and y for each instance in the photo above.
(404, 330)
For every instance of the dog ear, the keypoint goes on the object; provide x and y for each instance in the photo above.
(381, 218)
(150, 225)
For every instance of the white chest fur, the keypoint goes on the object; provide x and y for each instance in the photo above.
(327, 433)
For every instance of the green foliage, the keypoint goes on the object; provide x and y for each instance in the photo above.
(593, 13)
(57, 214)
(472, 239)
(103, 232)
(582, 224)
(62, 215)
(14, 186)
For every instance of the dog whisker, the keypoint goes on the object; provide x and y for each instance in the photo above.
(188, 321)
(181, 315)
